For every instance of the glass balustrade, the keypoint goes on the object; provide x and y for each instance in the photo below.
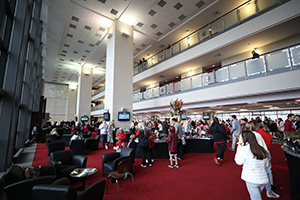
(277, 61)
(102, 89)
(231, 19)
(98, 107)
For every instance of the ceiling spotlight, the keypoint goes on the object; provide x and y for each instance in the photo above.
(187, 30)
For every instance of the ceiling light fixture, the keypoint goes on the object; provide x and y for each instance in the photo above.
(125, 34)
(109, 35)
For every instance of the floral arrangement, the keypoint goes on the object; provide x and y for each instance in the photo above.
(176, 106)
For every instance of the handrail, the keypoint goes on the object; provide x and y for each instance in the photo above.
(261, 66)
(102, 89)
(144, 66)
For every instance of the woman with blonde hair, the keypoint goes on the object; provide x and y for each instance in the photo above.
(54, 132)
(143, 134)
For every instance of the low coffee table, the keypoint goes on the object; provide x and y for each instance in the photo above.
(81, 174)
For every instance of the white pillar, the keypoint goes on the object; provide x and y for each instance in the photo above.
(119, 71)
(71, 102)
(84, 94)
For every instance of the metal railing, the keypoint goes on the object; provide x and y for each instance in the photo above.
(98, 107)
(237, 16)
(278, 61)
(102, 89)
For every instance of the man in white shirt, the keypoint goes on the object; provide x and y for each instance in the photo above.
(103, 132)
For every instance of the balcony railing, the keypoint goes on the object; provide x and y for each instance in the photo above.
(237, 16)
(98, 107)
(278, 61)
(98, 91)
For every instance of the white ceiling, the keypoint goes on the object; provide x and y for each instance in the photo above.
(76, 36)
(76, 30)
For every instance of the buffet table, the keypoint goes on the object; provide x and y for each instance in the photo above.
(193, 145)
(293, 160)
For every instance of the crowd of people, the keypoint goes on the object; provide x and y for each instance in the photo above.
(250, 139)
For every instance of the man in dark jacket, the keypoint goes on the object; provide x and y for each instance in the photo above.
(165, 126)
(220, 137)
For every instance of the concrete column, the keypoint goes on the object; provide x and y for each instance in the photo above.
(119, 71)
(84, 94)
(71, 102)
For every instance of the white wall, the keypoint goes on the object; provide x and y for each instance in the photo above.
(57, 96)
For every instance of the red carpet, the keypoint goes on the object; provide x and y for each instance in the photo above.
(197, 178)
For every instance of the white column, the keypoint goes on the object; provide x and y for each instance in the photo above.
(119, 71)
(84, 94)
(71, 102)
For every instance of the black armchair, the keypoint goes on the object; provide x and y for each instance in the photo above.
(61, 190)
(56, 145)
(67, 162)
(110, 161)
(92, 143)
(18, 187)
(66, 138)
(52, 137)
(77, 147)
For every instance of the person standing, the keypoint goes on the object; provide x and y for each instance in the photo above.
(178, 131)
(253, 157)
(160, 128)
(268, 140)
(172, 147)
(288, 124)
(165, 127)
(187, 126)
(220, 137)
(143, 134)
(103, 132)
(297, 122)
(110, 135)
(236, 130)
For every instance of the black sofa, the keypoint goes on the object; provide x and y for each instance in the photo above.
(61, 190)
(18, 187)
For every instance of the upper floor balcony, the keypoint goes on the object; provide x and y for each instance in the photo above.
(236, 17)
(275, 62)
